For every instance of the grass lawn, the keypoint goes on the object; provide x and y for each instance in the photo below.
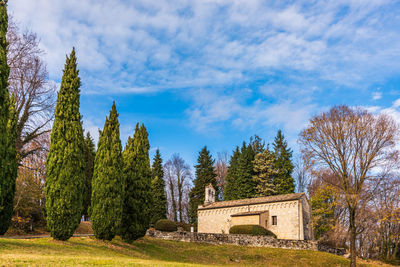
(87, 251)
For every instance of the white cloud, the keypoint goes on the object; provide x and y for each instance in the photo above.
(396, 103)
(376, 95)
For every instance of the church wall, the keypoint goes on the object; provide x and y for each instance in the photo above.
(251, 219)
(287, 212)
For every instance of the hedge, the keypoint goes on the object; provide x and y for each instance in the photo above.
(166, 225)
(250, 230)
(185, 226)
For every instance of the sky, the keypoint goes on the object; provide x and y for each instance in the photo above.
(214, 73)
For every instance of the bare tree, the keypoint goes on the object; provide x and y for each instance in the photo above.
(221, 169)
(354, 144)
(34, 93)
(177, 175)
(301, 174)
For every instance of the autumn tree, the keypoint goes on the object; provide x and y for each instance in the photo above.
(65, 168)
(264, 173)
(34, 94)
(221, 170)
(355, 145)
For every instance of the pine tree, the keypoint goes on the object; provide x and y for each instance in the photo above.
(245, 183)
(230, 192)
(8, 154)
(107, 182)
(89, 155)
(205, 175)
(264, 172)
(137, 173)
(65, 166)
(283, 181)
(159, 198)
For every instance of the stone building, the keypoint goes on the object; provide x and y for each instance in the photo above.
(288, 216)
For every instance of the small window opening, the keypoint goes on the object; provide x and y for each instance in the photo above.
(274, 220)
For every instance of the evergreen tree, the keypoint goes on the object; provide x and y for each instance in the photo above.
(89, 155)
(8, 155)
(137, 173)
(230, 192)
(65, 166)
(159, 198)
(283, 181)
(257, 144)
(264, 172)
(244, 180)
(205, 175)
(107, 182)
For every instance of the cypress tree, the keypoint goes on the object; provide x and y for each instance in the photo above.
(65, 166)
(89, 155)
(283, 181)
(159, 198)
(244, 181)
(8, 154)
(231, 189)
(204, 176)
(137, 173)
(107, 182)
(264, 172)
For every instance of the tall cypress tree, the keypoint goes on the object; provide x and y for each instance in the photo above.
(231, 188)
(159, 198)
(89, 155)
(264, 173)
(283, 181)
(137, 173)
(8, 154)
(65, 166)
(244, 180)
(107, 182)
(205, 175)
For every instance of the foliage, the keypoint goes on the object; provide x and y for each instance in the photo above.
(166, 225)
(159, 198)
(264, 173)
(107, 182)
(244, 179)
(185, 226)
(205, 175)
(65, 166)
(137, 198)
(231, 185)
(283, 181)
(250, 229)
(323, 203)
(89, 156)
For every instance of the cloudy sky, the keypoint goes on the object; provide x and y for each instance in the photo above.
(202, 72)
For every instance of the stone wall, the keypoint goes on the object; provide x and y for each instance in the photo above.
(241, 240)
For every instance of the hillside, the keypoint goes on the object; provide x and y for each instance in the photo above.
(87, 251)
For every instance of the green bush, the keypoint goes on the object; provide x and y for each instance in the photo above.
(185, 226)
(166, 225)
(250, 230)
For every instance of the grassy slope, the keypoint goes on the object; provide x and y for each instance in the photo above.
(152, 252)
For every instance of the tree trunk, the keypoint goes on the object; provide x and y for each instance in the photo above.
(352, 229)
(171, 186)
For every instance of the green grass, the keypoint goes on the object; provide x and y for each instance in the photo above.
(87, 251)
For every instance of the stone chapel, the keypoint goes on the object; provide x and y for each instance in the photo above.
(288, 216)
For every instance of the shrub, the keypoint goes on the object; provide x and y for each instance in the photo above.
(250, 230)
(166, 225)
(185, 226)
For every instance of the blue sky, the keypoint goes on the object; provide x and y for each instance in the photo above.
(214, 73)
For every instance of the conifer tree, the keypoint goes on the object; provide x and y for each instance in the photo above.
(264, 172)
(89, 155)
(8, 154)
(230, 192)
(205, 175)
(137, 173)
(65, 166)
(283, 181)
(244, 180)
(159, 198)
(107, 182)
